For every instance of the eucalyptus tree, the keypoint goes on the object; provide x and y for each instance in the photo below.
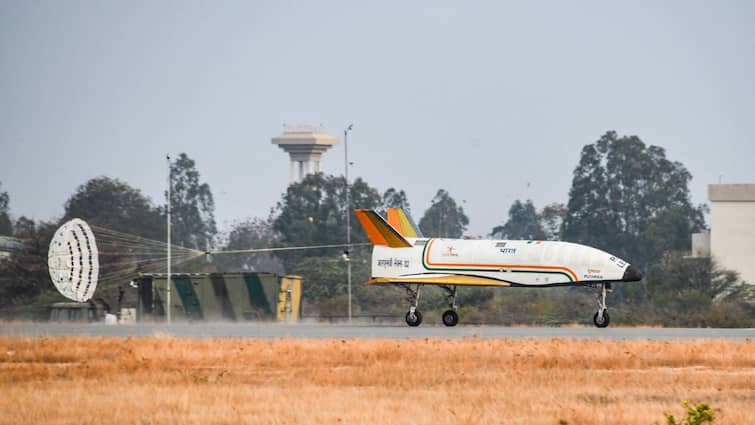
(192, 206)
(629, 198)
(523, 223)
(6, 226)
(444, 218)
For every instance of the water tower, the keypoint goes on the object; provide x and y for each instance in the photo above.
(305, 145)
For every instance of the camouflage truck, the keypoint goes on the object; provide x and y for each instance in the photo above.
(220, 297)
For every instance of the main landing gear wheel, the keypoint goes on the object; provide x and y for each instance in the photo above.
(450, 318)
(413, 316)
(601, 320)
(413, 319)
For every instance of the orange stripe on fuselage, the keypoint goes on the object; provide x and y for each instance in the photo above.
(499, 266)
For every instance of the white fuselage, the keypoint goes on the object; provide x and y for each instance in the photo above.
(503, 263)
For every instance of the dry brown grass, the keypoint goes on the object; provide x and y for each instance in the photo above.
(163, 380)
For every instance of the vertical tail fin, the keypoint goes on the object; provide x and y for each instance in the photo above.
(402, 222)
(380, 232)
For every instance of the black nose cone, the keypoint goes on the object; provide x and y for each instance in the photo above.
(632, 274)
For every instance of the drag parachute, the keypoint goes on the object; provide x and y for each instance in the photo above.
(73, 260)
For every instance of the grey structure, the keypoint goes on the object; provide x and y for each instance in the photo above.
(305, 146)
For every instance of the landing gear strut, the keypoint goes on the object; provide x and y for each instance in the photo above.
(450, 317)
(601, 318)
(413, 316)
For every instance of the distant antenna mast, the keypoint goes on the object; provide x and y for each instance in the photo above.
(167, 289)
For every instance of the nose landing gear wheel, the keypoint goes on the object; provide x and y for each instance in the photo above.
(413, 319)
(601, 320)
(450, 318)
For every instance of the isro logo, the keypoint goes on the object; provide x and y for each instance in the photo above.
(593, 274)
(450, 252)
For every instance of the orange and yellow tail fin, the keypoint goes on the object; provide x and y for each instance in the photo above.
(380, 232)
(403, 223)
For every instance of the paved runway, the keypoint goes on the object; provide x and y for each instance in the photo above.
(271, 330)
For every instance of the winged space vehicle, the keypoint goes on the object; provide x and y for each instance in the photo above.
(402, 256)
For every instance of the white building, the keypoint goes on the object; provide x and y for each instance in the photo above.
(732, 223)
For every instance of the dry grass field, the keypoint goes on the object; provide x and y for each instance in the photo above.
(165, 380)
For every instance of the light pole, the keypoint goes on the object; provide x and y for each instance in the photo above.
(167, 289)
(348, 213)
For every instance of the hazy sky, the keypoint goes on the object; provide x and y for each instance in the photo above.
(489, 100)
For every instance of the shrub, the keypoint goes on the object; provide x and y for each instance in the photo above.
(697, 415)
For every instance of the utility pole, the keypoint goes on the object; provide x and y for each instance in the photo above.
(169, 279)
(348, 213)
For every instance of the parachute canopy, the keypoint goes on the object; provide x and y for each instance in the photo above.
(73, 260)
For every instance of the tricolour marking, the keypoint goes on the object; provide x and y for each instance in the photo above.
(518, 268)
(453, 280)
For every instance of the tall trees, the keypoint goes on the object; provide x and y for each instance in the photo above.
(6, 227)
(25, 275)
(313, 211)
(552, 219)
(629, 199)
(444, 218)
(113, 204)
(25, 228)
(250, 234)
(523, 223)
(192, 206)
(393, 198)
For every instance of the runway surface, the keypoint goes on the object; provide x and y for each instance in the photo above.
(303, 331)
